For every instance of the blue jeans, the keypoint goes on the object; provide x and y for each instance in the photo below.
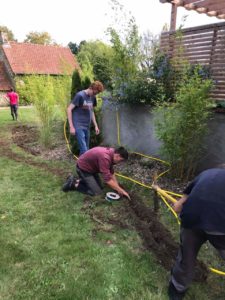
(83, 137)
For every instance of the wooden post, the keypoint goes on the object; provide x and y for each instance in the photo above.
(156, 202)
(173, 18)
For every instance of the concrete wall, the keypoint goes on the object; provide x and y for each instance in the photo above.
(137, 132)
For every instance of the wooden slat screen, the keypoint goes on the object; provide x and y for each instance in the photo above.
(203, 45)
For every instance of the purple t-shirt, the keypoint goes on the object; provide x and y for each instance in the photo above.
(82, 112)
(98, 160)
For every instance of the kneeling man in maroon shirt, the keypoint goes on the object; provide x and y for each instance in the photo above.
(98, 160)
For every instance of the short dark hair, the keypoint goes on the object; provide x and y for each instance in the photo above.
(122, 152)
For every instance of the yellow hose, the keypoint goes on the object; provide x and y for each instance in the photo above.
(67, 142)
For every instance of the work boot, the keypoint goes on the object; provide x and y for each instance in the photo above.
(69, 185)
(174, 294)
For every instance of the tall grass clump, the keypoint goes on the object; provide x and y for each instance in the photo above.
(62, 92)
(181, 126)
(41, 91)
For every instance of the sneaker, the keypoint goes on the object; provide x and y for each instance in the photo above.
(69, 184)
(174, 294)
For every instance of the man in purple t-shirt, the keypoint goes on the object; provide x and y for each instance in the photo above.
(98, 160)
(80, 113)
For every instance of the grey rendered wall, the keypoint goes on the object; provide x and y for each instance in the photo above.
(137, 132)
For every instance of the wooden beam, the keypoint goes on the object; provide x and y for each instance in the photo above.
(173, 19)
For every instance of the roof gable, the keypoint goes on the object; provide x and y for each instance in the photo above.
(27, 58)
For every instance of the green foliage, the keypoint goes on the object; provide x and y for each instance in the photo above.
(74, 48)
(42, 38)
(9, 33)
(62, 92)
(79, 82)
(181, 126)
(86, 66)
(169, 72)
(141, 90)
(126, 57)
(45, 92)
(76, 83)
(99, 55)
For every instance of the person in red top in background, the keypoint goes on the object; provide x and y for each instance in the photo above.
(90, 164)
(13, 102)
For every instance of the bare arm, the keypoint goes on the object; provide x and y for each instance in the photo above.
(69, 116)
(97, 131)
(179, 204)
(115, 186)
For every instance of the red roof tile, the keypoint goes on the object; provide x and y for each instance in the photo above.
(26, 58)
(5, 83)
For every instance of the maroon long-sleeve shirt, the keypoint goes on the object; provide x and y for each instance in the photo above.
(98, 160)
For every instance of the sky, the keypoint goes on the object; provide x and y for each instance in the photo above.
(76, 20)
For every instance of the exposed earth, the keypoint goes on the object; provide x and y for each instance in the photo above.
(134, 214)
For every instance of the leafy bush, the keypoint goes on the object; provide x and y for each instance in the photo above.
(141, 90)
(79, 82)
(181, 126)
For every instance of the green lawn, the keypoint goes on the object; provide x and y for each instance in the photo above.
(51, 248)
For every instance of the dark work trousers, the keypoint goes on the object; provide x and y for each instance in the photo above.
(89, 183)
(190, 243)
(14, 109)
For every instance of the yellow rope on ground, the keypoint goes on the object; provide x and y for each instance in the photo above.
(164, 194)
(133, 180)
(172, 193)
(170, 208)
(67, 142)
(217, 271)
(151, 157)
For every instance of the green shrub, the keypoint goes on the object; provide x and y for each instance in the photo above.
(140, 90)
(181, 126)
(76, 83)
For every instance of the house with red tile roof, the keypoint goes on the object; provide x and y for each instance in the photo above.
(18, 59)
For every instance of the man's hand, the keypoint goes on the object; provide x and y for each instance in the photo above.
(177, 207)
(155, 186)
(125, 194)
(97, 131)
(72, 130)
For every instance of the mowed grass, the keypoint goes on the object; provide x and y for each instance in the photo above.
(51, 248)
(47, 248)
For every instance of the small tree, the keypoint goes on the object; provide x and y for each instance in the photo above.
(9, 33)
(76, 83)
(42, 38)
(181, 126)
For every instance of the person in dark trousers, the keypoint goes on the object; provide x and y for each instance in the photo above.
(202, 214)
(98, 160)
(80, 113)
(13, 102)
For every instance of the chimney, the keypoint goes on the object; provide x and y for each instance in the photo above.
(3, 38)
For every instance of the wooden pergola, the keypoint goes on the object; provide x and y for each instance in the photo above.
(212, 8)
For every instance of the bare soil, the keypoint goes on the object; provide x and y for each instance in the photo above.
(132, 214)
